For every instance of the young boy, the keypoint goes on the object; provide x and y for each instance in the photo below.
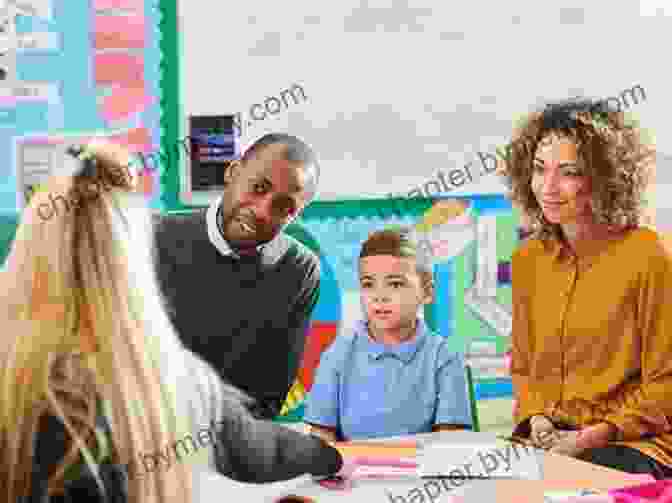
(393, 376)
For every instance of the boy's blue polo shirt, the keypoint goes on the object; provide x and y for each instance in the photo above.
(367, 389)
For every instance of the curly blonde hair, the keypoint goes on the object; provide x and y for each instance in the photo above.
(618, 162)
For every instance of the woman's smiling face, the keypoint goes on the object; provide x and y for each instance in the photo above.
(559, 183)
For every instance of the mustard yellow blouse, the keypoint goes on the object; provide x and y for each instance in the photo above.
(592, 336)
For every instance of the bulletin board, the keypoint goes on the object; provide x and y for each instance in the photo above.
(70, 70)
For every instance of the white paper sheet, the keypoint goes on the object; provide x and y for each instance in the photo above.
(210, 486)
(480, 460)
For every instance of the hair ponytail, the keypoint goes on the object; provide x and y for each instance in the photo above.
(81, 293)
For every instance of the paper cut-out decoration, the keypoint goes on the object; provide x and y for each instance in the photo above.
(137, 140)
(119, 69)
(124, 102)
(119, 32)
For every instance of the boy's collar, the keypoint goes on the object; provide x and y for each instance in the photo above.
(404, 351)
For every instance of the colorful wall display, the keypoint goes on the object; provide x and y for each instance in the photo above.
(69, 71)
(473, 239)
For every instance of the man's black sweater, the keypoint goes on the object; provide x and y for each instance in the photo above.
(247, 316)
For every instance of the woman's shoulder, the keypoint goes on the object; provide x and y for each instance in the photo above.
(650, 246)
(531, 247)
(650, 240)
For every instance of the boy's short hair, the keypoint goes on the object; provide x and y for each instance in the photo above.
(400, 242)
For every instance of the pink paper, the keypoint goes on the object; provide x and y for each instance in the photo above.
(638, 477)
(119, 32)
(381, 466)
(386, 461)
(381, 472)
(656, 492)
(118, 4)
(380, 446)
(121, 69)
(590, 498)
(124, 102)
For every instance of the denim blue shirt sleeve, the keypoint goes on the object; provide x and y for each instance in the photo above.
(322, 402)
(453, 392)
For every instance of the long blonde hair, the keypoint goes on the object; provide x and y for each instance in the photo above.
(81, 293)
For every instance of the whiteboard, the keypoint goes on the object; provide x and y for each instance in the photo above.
(396, 92)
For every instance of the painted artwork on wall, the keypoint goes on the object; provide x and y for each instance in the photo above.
(61, 84)
(473, 239)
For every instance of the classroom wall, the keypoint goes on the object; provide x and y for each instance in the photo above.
(391, 93)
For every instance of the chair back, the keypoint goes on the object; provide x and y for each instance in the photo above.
(473, 404)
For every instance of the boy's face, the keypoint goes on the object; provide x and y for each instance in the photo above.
(392, 290)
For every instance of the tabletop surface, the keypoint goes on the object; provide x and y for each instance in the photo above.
(558, 473)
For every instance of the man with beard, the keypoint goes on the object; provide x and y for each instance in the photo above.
(240, 292)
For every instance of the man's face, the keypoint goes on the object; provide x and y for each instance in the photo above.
(263, 194)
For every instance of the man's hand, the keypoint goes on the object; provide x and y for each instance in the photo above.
(543, 433)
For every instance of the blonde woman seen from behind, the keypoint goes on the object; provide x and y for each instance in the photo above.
(85, 337)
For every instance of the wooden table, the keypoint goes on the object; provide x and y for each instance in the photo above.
(560, 473)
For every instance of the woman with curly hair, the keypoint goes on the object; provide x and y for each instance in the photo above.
(591, 355)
